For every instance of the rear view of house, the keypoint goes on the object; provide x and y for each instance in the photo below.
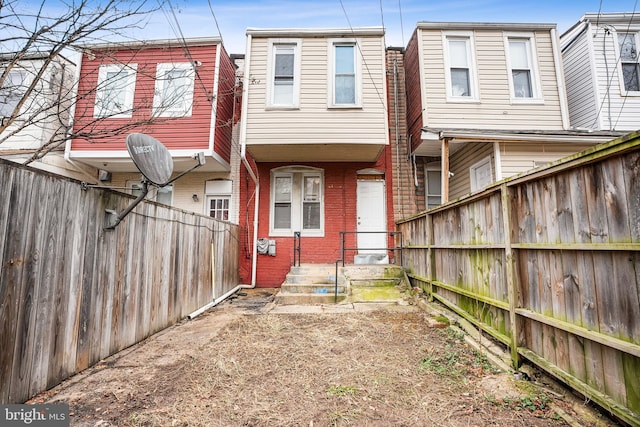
(314, 135)
(485, 101)
(181, 92)
(600, 55)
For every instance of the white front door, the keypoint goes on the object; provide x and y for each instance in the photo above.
(372, 216)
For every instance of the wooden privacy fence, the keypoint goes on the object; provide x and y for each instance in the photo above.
(548, 263)
(72, 293)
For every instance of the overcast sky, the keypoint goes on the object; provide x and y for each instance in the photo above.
(196, 17)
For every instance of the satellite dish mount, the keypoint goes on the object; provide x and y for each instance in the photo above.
(154, 162)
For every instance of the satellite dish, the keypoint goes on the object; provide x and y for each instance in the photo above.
(151, 158)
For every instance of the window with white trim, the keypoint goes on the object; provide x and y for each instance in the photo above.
(162, 195)
(173, 95)
(433, 184)
(13, 90)
(481, 174)
(297, 201)
(114, 93)
(461, 74)
(218, 198)
(523, 78)
(284, 77)
(344, 81)
(628, 45)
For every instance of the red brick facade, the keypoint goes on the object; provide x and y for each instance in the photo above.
(340, 183)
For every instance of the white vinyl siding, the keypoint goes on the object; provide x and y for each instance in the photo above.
(495, 110)
(313, 123)
(517, 158)
(580, 83)
(616, 112)
(461, 161)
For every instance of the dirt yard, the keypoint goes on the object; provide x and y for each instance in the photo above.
(247, 362)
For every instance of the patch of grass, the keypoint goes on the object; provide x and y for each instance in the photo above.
(341, 390)
(446, 365)
(442, 319)
(529, 402)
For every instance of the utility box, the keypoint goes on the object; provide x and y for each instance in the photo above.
(272, 247)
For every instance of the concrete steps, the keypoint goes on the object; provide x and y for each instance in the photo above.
(312, 284)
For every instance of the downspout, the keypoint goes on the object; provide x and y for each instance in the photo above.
(255, 180)
(397, 118)
(497, 158)
(72, 109)
(243, 156)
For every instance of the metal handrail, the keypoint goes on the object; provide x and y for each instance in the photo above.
(343, 249)
(296, 248)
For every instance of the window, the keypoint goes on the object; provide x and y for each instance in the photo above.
(218, 198)
(629, 61)
(285, 72)
(114, 96)
(345, 75)
(218, 207)
(296, 201)
(162, 195)
(12, 92)
(174, 90)
(524, 78)
(460, 64)
(481, 174)
(433, 184)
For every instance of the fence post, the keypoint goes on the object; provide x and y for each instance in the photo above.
(510, 273)
(431, 254)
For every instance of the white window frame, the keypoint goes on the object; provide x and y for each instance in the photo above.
(636, 37)
(218, 189)
(183, 108)
(536, 88)
(14, 92)
(297, 175)
(467, 36)
(133, 185)
(127, 85)
(274, 45)
(357, 63)
(477, 166)
(435, 166)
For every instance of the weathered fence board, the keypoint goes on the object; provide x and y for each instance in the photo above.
(568, 237)
(72, 293)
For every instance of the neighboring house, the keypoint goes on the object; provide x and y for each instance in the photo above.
(181, 92)
(36, 96)
(485, 101)
(600, 56)
(314, 137)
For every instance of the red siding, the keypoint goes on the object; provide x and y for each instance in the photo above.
(414, 93)
(178, 133)
(339, 212)
(225, 106)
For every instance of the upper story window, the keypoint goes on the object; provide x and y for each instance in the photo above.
(284, 79)
(114, 95)
(174, 90)
(297, 201)
(461, 74)
(628, 44)
(218, 198)
(344, 81)
(13, 89)
(524, 80)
